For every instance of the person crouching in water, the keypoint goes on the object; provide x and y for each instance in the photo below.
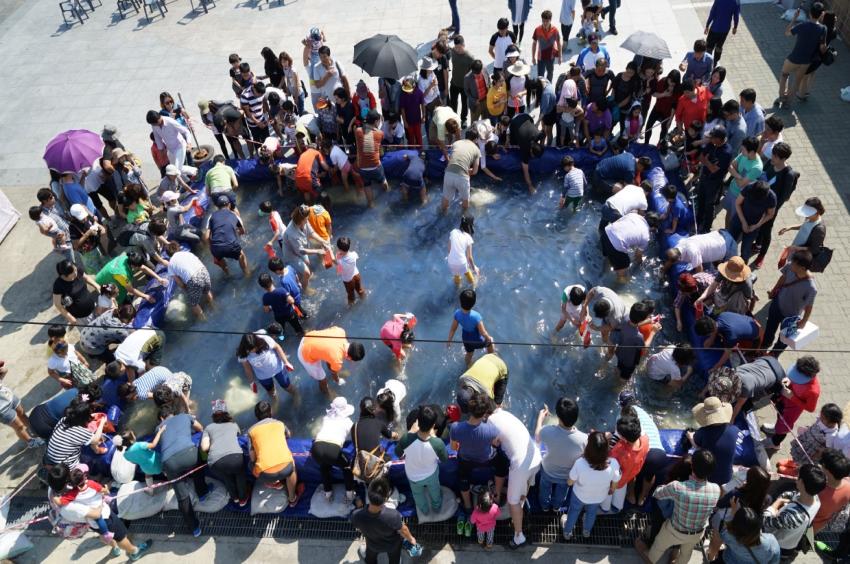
(397, 334)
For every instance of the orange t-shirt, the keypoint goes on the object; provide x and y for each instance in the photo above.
(326, 345)
(631, 460)
(304, 173)
(831, 502)
(368, 143)
(320, 222)
(268, 441)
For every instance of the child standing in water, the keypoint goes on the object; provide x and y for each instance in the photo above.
(346, 266)
(397, 334)
(460, 257)
(473, 333)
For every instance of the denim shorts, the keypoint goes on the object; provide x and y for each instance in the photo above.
(281, 378)
(370, 175)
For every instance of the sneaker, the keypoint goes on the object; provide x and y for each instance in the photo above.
(585, 534)
(35, 442)
(767, 429)
(106, 538)
(242, 502)
(142, 548)
(329, 496)
(115, 552)
(461, 526)
(197, 532)
(350, 496)
(612, 31)
(467, 529)
(563, 520)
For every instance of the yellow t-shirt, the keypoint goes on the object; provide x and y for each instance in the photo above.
(500, 93)
(485, 372)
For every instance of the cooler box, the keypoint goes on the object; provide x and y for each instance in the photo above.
(803, 338)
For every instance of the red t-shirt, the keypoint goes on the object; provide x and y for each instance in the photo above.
(546, 41)
(688, 111)
(805, 398)
(831, 502)
(664, 106)
(631, 460)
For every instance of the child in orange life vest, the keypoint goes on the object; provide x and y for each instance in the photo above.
(275, 223)
(89, 493)
(320, 217)
(346, 266)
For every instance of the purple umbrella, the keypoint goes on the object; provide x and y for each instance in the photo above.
(73, 150)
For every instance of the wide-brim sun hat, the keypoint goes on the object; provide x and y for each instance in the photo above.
(427, 63)
(712, 412)
(734, 270)
(519, 68)
(805, 211)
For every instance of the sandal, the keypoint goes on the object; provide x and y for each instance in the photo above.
(299, 491)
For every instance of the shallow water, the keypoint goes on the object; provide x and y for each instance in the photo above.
(527, 251)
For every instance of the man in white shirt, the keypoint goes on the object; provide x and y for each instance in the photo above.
(625, 199)
(139, 352)
(628, 234)
(169, 135)
(524, 455)
(696, 250)
(189, 273)
(328, 75)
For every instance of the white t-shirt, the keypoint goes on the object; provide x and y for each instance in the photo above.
(630, 198)
(588, 62)
(767, 148)
(130, 350)
(502, 44)
(319, 72)
(699, 249)
(517, 443)
(278, 91)
(629, 232)
(567, 8)
(661, 366)
(592, 486)
(93, 179)
(62, 365)
(392, 132)
(573, 311)
(428, 82)
(338, 158)
(459, 242)
(334, 430)
(184, 265)
(347, 266)
(420, 460)
(266, 364)
(482, 149)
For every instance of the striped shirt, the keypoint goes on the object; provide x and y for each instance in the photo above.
(146, 383)
(368, 142)
(693, 503)
(574, 184)
(66, 443)
(789, 524)
(254, 102)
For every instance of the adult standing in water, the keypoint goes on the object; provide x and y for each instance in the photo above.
(331, 347)
(296, 245)
(523, 133)
(463, 164)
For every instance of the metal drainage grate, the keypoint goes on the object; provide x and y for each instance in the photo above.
(609, 530)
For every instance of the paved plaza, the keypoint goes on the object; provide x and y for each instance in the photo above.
(111, 71)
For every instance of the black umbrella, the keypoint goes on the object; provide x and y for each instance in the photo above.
(385, 56)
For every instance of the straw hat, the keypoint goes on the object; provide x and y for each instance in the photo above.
(407, 85)
(204, 106)
(340, 408)
(321, 103)
(118, 152)
(734, 270)
(428, 64)
(519, 68)
(712, 412)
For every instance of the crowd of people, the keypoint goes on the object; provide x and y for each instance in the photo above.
(731, 155)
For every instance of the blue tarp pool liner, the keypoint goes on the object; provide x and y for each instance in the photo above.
(252, 171)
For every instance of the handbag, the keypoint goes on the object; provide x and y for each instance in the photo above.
(368, 466)
(821, 260)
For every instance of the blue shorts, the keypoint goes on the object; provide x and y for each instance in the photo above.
(473, 341)
(226, 252)
(281, 377)
(375, 175)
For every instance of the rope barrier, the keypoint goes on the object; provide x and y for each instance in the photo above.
(420, 340)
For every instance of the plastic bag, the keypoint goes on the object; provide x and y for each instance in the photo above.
(845, 93)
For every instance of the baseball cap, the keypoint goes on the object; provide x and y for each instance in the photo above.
(222, 200)
(79, 212)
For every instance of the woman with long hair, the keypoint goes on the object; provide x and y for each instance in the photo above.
(593, 477)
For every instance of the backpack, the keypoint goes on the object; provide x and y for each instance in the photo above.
(821, 260)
